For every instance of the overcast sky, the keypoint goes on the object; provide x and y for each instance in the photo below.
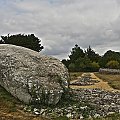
(63, 23)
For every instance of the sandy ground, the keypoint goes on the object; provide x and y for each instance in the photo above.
(101, 84)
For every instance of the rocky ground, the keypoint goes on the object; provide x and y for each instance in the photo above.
(85, 102)
(84, 80)
(81, 103)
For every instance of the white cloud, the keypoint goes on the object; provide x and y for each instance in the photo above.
(63, 23)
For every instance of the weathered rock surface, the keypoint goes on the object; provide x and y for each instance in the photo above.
(30, 76)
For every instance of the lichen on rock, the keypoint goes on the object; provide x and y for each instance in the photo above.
(30, 76)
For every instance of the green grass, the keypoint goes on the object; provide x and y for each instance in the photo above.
(4, 95)
(7, 100)
(61, 118)
(113, 80)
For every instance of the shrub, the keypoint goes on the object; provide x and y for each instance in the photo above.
(113, 64)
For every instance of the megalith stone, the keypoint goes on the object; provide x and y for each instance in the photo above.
(30, 76)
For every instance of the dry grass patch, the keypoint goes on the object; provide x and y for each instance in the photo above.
(113, 80)
(74, 75)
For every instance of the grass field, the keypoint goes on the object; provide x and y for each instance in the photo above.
(113, 80)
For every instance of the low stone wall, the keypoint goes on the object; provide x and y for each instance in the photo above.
(109, 71)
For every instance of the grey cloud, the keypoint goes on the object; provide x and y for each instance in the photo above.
(63, 23)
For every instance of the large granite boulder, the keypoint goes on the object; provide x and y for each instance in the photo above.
(30, 76)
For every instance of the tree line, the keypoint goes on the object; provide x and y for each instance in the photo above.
(29, 41)
(89, 60)
(79, 59)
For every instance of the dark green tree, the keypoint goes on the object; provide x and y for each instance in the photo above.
(66, 62)
(109, 56)
(82, 64)
(28, 41)
(94, 57)
(76, 53)
(82, 61)
(89, 60)
(71, 67)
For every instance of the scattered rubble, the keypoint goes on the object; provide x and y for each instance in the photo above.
(83, 103)
(109, 71)
(85, 80)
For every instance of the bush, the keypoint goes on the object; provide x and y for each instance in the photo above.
(113, 64)
(71, 67)
(95, 66)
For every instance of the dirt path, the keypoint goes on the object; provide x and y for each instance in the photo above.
(75, 79)
(101, 84)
